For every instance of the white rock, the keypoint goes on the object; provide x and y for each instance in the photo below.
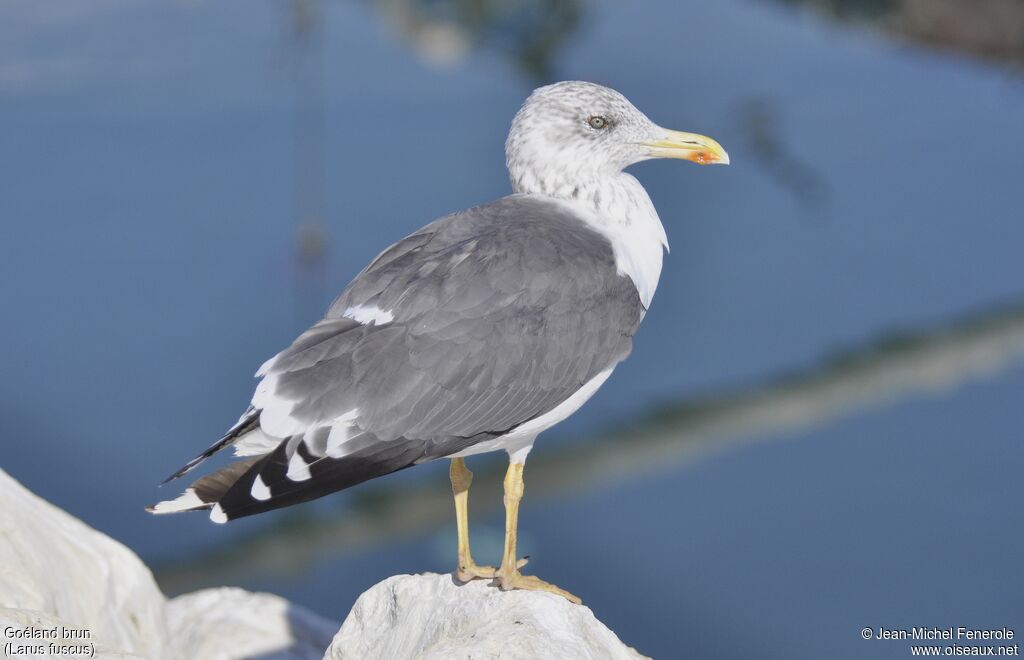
(56, 571)
(234, 623)
(64, 647)
(51, 563)
(431, 617)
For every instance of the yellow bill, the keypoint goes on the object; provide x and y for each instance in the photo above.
(693, 147)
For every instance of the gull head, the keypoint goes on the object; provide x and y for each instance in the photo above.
(577, 132)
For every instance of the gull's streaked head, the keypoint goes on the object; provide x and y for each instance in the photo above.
(579, 131)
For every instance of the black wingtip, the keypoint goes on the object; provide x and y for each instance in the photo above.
(174, 476)
(248, 422)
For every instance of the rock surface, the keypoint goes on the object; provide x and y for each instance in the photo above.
(64, 646)
(57, 571)
(52, 563)
(432, 617)
(234, 623)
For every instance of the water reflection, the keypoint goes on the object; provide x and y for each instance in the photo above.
(303, 22)
(990, 29)
(528, 32)
(762, 125)
(531, 32)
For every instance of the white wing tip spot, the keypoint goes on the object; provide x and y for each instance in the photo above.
(369, 314)
(217, 515)
(259, 489)
(187, 501)
(298, 470)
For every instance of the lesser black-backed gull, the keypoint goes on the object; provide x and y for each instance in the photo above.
(473, 334)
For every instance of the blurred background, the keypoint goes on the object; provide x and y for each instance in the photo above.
(819, 428)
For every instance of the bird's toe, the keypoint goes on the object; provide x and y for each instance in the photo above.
(467, 572)
(516, 580)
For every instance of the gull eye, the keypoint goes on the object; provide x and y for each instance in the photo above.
(598, 122)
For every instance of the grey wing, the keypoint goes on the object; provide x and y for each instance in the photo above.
(476, 324)
(485, 320)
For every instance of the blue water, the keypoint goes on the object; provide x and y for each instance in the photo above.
(148, 267)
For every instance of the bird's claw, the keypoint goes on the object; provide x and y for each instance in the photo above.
(509, 580)
(470, 571)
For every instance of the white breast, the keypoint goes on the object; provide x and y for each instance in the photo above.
(619, 208)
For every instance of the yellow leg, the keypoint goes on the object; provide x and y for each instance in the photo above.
(466, 569)
(509, 576)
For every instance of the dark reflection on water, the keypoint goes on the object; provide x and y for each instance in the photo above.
(148, 258)
(760, 120)
(991, 29)
(529, 33)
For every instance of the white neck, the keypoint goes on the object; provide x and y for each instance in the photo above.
(617, 206)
